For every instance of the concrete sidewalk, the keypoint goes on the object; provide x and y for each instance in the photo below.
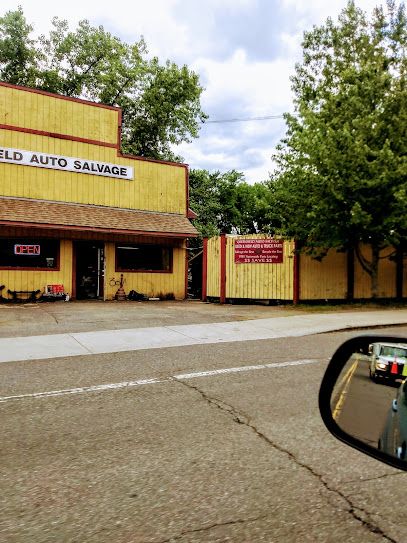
(133, 339)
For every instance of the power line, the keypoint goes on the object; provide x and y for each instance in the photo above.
(243, 120)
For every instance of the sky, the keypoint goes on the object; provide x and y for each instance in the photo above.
(243, 50)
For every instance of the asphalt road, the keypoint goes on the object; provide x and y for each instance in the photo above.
(167, 448)
(360, 405)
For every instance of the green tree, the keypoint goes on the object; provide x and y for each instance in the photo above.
(225, 203)
(165, 112)
(204, 201)
(18, 55)
(160, 103)
(341, 172)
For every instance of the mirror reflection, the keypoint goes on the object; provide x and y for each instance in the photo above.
(369, 400)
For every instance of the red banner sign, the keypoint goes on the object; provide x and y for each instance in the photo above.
(27, 249)
(259, 251)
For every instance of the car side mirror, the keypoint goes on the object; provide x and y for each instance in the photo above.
(362, 398)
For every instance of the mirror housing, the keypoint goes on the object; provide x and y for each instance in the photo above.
(347, 378)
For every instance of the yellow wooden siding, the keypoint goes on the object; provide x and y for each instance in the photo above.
(387, 275)
(318, 280)
(151, 284)
(325, 279)
(259, 281)
(250, 281)
(35, 111)
(155, 187)
(386, 279)
(213, 268)
(34, 280)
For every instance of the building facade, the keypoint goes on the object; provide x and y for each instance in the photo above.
(75, 211)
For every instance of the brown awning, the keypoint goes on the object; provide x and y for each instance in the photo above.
(69, 216)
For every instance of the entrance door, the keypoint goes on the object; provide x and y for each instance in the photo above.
(90, 269)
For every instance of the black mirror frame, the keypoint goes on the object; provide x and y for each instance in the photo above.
(332, 372)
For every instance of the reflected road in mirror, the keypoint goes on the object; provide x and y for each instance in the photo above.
(369, 400)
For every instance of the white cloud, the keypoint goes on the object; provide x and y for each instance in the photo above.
(318, 10)
(244, 89)
(256, 86)
(127, 18)
(243, 50)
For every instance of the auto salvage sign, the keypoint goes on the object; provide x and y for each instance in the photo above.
(64, 163)
(259, 251)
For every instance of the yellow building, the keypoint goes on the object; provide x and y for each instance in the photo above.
(75, 211)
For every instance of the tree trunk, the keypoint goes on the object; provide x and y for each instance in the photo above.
(350, 273)
(375, 271)
(399, 271)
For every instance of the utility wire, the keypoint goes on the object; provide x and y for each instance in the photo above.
(265, 118)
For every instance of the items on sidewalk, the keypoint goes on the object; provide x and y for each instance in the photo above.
(21, 296)
(54, 293)
(137, 296)
(120, 294)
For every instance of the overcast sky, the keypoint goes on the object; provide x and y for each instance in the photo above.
(243, 50)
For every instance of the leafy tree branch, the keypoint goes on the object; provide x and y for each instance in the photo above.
(160, 102)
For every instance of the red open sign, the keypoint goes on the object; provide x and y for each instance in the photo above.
(27, 249)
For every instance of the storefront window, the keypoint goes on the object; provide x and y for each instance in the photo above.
(29, 253)
(143, 258)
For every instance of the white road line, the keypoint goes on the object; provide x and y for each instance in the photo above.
(243, 368)
(81, 390)
(141, 382)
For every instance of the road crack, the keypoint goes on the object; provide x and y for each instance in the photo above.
(72, 335)
(49, 314)
(384, 476)
(211, 526)
(358, 513)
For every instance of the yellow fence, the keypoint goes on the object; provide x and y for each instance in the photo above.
(262, 281)
(296, 277)
(325, 279)
(213, 268)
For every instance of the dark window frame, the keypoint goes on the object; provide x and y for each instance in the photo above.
(34, 241)
(141, 270)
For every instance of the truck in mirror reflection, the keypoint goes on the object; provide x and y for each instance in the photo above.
(363, 397)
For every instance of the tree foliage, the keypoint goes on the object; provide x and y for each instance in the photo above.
(161, 103)
(225, 203)
(18, 55)
(341, 169)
